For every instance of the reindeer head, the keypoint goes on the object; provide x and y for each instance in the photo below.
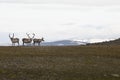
(11, 37)
(42, 39)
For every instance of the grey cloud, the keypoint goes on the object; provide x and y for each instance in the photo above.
(93, 27)
(79, 2)
(68, 24)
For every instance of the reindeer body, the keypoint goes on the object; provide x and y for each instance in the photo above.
(14, 40)
(36, 40)
(27, 40)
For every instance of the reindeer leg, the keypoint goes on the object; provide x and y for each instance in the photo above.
(18, 43)
(33, 43)
(12, 44)
(23, 43)
(39, 44)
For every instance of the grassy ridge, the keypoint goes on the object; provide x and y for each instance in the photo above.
(60, 63)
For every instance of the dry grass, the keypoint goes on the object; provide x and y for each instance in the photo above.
(60, 63)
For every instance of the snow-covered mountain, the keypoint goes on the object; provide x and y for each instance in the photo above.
(63, 43)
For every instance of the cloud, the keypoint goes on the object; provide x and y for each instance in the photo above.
(56, 22)
(68, 24)
(74, 2)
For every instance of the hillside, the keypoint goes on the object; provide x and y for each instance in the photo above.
(111, 42)
(60, 63)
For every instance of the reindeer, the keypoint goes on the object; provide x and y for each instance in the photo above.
(14, 40)
(29, 39)
(38, 40)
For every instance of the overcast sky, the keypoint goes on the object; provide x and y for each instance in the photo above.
(60, 19)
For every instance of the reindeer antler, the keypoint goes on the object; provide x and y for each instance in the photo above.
(9, 36)
(28, 35)
(13, 35)
(33, 35)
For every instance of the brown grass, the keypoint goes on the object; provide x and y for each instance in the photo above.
(60, 63)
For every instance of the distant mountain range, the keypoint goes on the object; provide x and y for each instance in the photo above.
(73, 43)
(111, 42)
(63, 43)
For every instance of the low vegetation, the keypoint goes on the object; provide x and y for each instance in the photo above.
(111, 42)
(60, 63)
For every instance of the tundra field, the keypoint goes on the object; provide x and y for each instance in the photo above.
(60, 63)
